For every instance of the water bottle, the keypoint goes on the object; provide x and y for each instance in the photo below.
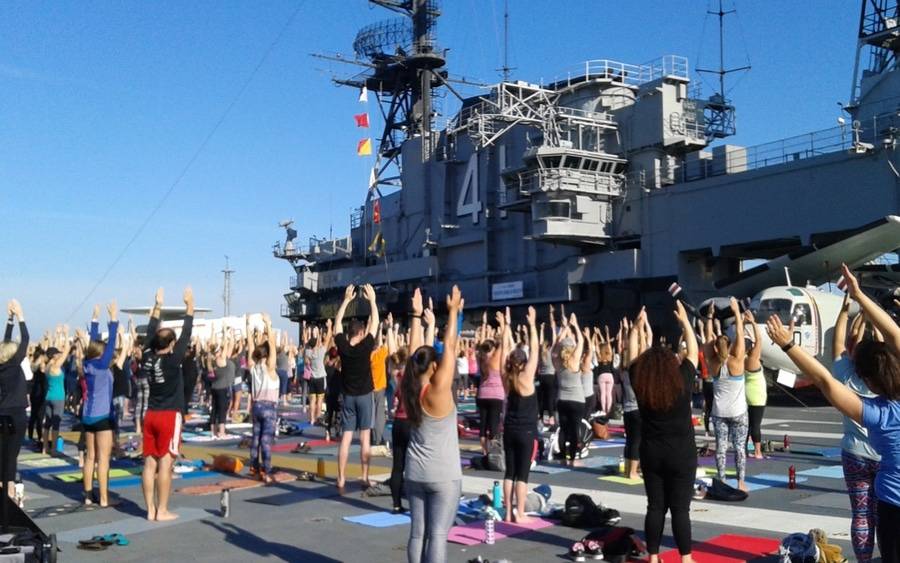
(20, 494)
(787, 442)
(320, 468)
(60, 444)
(225, 502)
(498, 497)
(489, 530)
(792, 477)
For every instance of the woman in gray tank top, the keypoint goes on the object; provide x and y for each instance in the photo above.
(433, 476)
(729, 412)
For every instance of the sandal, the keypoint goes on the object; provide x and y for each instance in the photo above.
(116, 538)
(576, 552)
(93, 546)
(594, 549)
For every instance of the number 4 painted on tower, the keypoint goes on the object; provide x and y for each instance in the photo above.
(469, 203)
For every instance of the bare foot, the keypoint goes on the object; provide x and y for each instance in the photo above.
(151, 514)
(507, 518)
(522, 519)
(165, 516)
(743, 486)
(635, 476)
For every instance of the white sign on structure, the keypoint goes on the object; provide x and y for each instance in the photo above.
(507, 290)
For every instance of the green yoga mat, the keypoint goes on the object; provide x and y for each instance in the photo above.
(32, 455)
(622, 480)
(76, 476)
(44, 462)
(713, 472)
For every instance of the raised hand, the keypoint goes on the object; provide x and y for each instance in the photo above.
(267, 320)
(573, 320)
(369, 293)
(455, 300)
(735, 308)
(159, 297)
(188, 296)
(852, 283)
(531, 316)
(417, 302)
(95, 314)
(349, 293)
(498, 316)
(748, 317)
(428, 317)
(680, 313)
(112, 309)
(780, 335)
(15, 308)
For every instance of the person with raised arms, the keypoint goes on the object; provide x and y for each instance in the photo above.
(433, 475)
(97, 417)
(877, 364)
(355, 349)
(161, 362)
(13, 391)
(265, 387)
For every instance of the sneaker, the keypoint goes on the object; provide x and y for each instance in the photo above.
(577, 551)
(593, 549)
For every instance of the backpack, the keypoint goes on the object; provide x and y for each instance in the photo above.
(496, 460)
(798, 548)
(581, 511)
(599, 427)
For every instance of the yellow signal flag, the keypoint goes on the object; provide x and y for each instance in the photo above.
(364, 147)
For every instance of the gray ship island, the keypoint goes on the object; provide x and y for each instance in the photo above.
(601, 189)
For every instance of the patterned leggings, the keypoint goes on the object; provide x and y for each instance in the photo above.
(732, 430)
(142, 396)
(264, 414)
(859, 473)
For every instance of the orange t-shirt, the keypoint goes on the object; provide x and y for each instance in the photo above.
(378, 361)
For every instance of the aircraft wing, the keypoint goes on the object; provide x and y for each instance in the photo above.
(171, 313)
(818, 265)
(879, 276)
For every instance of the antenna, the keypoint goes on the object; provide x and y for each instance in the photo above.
(226, 292)
(719, 112)
(506, 68)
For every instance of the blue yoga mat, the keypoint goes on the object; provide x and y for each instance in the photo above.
(550, 469)
(597, 461)
(611, 443)
(123, 482)
(379, 519)
(766, 480)
(829, 471)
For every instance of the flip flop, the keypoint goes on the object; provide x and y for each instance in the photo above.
(116, 538)
(92, 546)
(95, 541)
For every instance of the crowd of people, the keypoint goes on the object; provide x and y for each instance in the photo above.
(354, 377)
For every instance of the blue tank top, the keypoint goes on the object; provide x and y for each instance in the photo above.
(56, 388)
(98, 399)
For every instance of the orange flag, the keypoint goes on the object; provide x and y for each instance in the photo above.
(376, 212)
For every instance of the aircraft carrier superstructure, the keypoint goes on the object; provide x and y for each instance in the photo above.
(599, 189)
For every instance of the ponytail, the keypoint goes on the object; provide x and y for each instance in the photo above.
(411, 385)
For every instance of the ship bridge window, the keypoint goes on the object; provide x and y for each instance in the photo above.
(555, 209)
(589, 164)
(551, 161)
(573, 162)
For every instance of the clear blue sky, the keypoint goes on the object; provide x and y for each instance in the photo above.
(103, 104)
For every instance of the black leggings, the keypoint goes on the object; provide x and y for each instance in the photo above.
(669, 473)
(10, 446)
(590, 405)
(546, 392)
(488, 417)
(755, 415)
(570, 413)
(632, 435)
(399, 445)
(888, 539)
(518, 446)
(35, 419)
(708, 394)
(220, 404)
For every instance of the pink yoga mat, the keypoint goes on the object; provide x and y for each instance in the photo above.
(473, 534)
(289, 445)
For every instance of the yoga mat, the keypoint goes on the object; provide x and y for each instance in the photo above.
(236, 483)
(826, 500)
(621, 480)
(828, 471)
(766, 480)
(282, 447)
(594, 462)
(44, 462)
(123, 482)
(239, 426)
(68, 508)
(130, 525)
(293, 497)
(379, 519)
(31, 455)
(76, 476)
(611, 443)
(727, 548)
(550, 469)
(207, 438)
(713, 472)
(473, 534)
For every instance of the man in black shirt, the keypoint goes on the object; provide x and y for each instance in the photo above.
(355, 349)
(161, 362)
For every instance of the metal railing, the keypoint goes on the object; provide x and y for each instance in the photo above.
(631, 74)
(869, 135)
(551, 180)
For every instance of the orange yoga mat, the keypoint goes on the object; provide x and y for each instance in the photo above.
(727, 548)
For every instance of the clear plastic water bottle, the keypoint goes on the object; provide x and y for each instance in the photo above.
(489, 530)
(225, 503)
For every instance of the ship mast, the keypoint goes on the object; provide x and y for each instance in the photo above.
(718, 110)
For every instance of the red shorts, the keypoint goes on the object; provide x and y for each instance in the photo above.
(162, 433)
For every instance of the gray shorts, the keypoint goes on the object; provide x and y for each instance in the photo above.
(356, 413)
